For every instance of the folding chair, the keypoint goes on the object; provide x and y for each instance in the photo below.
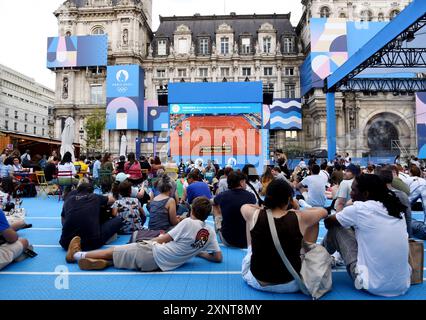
(42, 183)
(65, 179)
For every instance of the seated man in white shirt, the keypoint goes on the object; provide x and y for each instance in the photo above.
(316, 184)
(343, 194)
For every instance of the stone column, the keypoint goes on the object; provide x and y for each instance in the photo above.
(58, 129)
(278, 91)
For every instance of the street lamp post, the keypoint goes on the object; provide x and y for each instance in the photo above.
(81, 132)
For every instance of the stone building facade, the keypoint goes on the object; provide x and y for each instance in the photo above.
(234, 47)
(25, 106)
(191, 49)
(367, 124)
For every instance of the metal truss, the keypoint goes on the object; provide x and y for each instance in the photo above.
(400, 58)
(408, 85)
(391, 56)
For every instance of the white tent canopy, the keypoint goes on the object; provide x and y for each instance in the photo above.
(123, 145)
(67, 138)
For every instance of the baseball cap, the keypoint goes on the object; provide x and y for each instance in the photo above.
(121, 177)
(354, 169)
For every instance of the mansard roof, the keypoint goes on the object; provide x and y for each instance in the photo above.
(82, 3)
(240, 24)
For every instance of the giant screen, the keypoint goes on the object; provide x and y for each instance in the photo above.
(77, 51)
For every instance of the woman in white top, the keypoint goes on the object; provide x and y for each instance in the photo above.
(415, 181)
(17, 166)
(66, 165)
(253, 184)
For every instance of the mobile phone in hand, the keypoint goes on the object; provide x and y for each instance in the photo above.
(30, 253)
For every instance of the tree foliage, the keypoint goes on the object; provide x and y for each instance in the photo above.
(95, 127)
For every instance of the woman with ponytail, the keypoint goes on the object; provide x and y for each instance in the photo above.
(262, 267)
(371, 236)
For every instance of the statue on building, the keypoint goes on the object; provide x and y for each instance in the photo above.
(65, 88)
(213, 48)
(150, 50)
(278, 48)
(257, 48)
(125, 37)
(192, 50)
(352, 119)
(236, 47)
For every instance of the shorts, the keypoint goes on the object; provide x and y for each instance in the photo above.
(9, 252)
(248, 277)
(135, 256)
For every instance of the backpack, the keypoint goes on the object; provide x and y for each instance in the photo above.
(27, 190)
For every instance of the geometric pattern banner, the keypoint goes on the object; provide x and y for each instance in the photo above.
(333, 42)
(76, 51)
(421, 123)
(283, 114)
(329, 46)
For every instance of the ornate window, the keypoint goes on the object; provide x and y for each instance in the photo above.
(289, 45)
(161, 73)
(325, 12)
(393, 14)
(366, 15)
(203, 72)
(289, 71)
(246, 45)
(290, 91)
(204, 46)
(224, 72)
(247, 71)
(224, 45)
(98, 30)
(182, 46)
(96, 94)
(162, 47)
(267, 44)
(267, 71)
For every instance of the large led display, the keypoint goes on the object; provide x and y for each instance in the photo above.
(220, 121)
(77, 51)
(125, 97)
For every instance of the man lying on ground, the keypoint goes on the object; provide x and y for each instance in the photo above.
(192, 237)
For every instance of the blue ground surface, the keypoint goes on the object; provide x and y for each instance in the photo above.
(35, 279)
